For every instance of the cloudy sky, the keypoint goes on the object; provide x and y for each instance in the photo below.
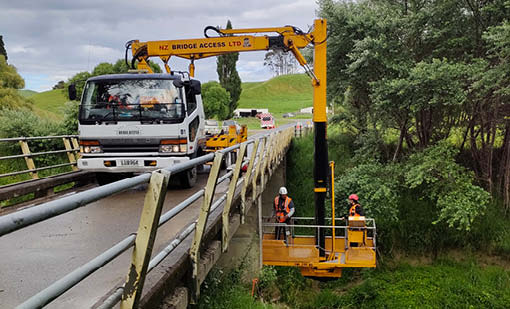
(51, 40)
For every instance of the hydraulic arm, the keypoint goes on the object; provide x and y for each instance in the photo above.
(287, 38)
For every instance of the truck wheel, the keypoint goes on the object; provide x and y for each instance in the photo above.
(188, 178)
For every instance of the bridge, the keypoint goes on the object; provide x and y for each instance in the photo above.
(140, 241)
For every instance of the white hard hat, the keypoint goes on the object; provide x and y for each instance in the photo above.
(283, 190)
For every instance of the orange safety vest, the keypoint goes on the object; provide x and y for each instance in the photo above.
(352, 211)
(280, 213)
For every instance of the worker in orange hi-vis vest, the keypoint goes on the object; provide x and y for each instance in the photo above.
(282, 211)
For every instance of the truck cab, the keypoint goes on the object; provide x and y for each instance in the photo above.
(133, 123)
(267, 121)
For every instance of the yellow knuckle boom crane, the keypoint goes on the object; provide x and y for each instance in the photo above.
(325, 254)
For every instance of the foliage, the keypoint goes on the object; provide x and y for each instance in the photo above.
(440, 179)
(10, 82)
(299, 180)
(280, 62)
(229, 78)
(79, 80)
(428, 69)
(377, 185)
(9, 77)
(215, 99)
(11, 99)
(225, 290)
(70, 122)
(3, 52)
(60, 85)
(22, 122)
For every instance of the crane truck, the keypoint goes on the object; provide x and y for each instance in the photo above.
(100, 123)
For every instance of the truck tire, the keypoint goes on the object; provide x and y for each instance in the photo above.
(188, 178)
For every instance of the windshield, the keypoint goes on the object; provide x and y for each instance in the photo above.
(146, 100)
(266, 118)
(211, 123)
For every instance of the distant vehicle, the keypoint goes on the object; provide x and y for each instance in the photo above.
(211, 127)
(267, 121)
(288, 115)
(227, 123)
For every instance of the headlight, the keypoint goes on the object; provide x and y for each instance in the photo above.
(173, 146)
(92, 149)
(165, 148)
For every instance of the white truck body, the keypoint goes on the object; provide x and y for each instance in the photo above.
(139, 132)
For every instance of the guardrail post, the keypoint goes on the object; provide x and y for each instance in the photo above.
(76, 145)
(202, 223)
(70, 154)
(230, 196)
(28, 159)
(145, 237)
(247, 177)
(257, 169)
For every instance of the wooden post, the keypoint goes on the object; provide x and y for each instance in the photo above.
(70, 154)
(145, 237)
(76, 145)
(28, 159)
(202, 223)
(230, 197)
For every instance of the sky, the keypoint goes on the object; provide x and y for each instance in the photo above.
(50, 40)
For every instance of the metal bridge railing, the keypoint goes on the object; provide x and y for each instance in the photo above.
(71, 147)
(266, 153)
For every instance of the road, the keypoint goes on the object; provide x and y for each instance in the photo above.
(34, 257)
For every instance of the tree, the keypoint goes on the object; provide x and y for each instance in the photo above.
(60, 85)
(2, 48)
(229, 78)
(280, 62)
(215, 99)
(10, 82)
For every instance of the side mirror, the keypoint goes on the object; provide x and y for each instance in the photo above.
(178, 83)
(72, 92)
(196, 87)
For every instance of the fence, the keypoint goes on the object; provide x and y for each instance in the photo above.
(266, 153)
(71, 147)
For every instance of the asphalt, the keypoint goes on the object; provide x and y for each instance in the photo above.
(33, 258)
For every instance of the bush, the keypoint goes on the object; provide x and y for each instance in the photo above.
(216, 100)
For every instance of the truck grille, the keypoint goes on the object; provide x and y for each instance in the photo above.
(126, 145)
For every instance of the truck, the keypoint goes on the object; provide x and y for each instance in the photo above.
(134, 123)
(267, 121)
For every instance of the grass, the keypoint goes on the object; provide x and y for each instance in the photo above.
(282, 94)
(27, 92)
(50, 104)
(443, 284)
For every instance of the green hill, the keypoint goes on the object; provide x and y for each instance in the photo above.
(281, 94)
(50, 104)
(26, 92)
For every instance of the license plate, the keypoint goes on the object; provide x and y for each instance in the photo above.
(129, 162)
